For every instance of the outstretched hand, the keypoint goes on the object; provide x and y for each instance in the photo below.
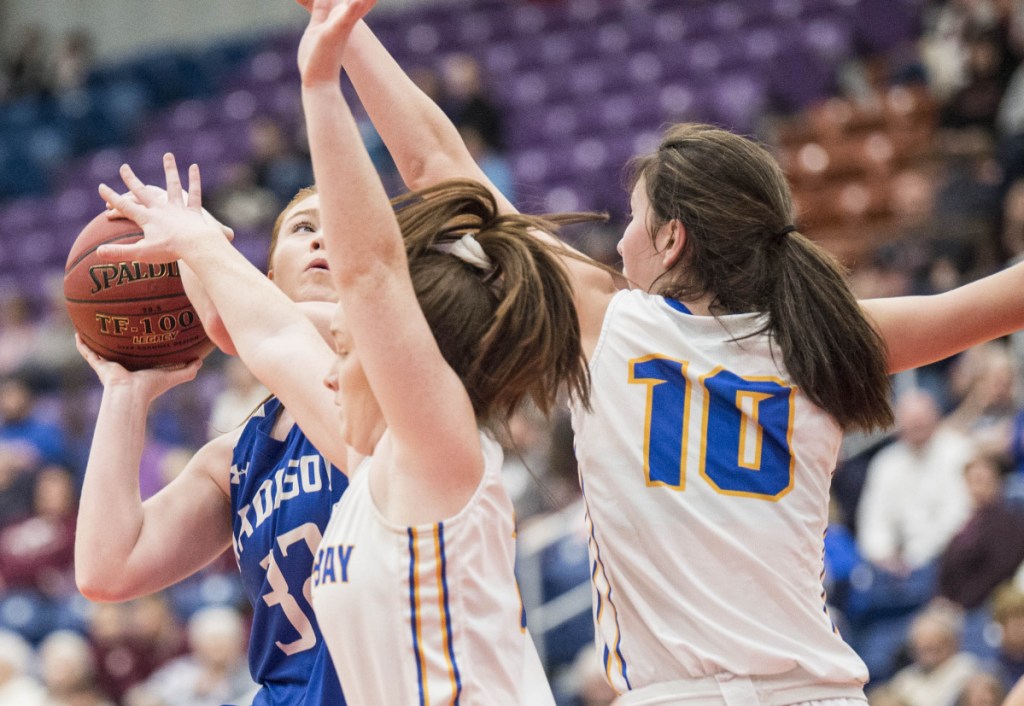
(170, 221)
(323, 43)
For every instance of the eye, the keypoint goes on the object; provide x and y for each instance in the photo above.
(303, 227)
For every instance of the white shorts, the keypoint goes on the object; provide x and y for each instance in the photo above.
(729, 690)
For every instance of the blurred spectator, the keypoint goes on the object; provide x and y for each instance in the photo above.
(1008, 612)
(494, 164)
(69, 671)
(53, 363)
(1013, 221)
(16, 486)
(38, 553)
(242, 394)
(22, 431)
(939, 672)
(467, 104)
(132, 640)
(526, 462)
(17, 686)
(587, 680)
(841, 558)
(976, 103)
(214, 672)
(885, 696)
(18, 332)
(242, 202)
(72, 61)
(29, 62)
(277, 162)
(986, 379)
(915, 497)
(989, 548)
(982, 689)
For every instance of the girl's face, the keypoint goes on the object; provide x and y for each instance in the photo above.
(361, 420)
(298, 264)
(643, 259)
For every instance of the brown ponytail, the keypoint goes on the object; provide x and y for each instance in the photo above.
(510, 334)
(735, 204)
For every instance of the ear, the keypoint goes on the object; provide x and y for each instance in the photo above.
(674, 243)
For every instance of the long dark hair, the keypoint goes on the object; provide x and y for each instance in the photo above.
(510, 334)
(733, 199)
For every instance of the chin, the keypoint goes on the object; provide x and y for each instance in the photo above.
(317, 293)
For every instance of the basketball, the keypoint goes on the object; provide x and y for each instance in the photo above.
(132, 313)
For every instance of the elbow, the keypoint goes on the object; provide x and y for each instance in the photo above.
(450, 160)
(101, 586)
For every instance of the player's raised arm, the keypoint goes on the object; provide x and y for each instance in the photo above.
(920, 330)
(423, 402)
(427, 149)
(124, 547)
(275, 340)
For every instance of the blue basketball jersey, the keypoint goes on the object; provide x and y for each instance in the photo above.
(282, 493)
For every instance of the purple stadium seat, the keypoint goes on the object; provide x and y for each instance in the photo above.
(679, 101)
(502, 58)
(737, 101)
(476, 28)
(23, 214)
(560, 123)
(830, 38)
(422, 39)
(103, 166)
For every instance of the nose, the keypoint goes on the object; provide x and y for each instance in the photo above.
(317, 243)
(618, 247)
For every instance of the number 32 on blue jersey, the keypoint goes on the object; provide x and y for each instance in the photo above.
(745, 429)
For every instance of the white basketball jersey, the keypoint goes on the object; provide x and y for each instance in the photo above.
(706, 476)
(428, 614)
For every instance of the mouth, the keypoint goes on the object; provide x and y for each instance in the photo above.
(318, 264)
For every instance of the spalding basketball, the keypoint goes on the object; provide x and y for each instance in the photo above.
(133, 313)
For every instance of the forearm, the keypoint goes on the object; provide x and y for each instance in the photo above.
(359, 226)
(423, 141)
(110, 514)
(205, 310)
(251, 309)
(921, 330)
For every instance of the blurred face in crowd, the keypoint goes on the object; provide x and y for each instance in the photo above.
(931, 643)
(1012, 642)
(982, 690)
(984, 483)
(917, 416)
(15, 400)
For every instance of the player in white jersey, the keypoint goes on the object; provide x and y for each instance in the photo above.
(441, 337)
(722, 383)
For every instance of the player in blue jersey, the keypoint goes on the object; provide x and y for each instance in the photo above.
(263, 489)
(723, 380)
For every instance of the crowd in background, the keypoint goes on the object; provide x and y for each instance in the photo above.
(923, 556)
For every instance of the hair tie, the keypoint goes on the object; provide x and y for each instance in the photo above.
(468, 249)
(784, 232)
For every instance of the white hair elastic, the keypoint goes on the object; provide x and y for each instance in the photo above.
(469, 250)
